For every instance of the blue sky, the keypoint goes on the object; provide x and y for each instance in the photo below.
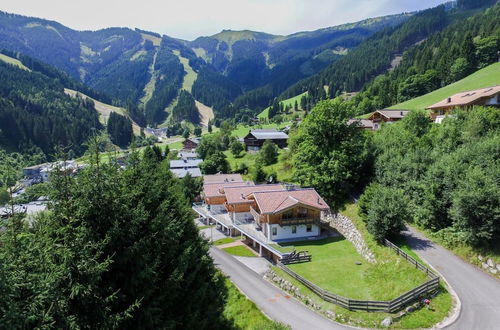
(188, 19)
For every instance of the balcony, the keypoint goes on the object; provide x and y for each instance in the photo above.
(256, 215)
(299, 221)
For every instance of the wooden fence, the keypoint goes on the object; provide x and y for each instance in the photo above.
(370, 305)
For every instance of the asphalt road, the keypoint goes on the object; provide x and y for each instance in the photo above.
(275, 303)
(478, 292)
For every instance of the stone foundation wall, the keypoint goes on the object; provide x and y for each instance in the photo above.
(347, 229)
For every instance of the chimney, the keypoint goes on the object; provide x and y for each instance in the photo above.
(401, 113)
(242, 197)
(449, 100)
(319, 201)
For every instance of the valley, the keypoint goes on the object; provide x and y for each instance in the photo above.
(344, 176)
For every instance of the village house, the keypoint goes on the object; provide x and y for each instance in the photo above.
(263, 214)
(289, 214)
(489, 96)
(181, 167)
(221, 178)
(191, 144)
(256, 138)
(238, 203)
(386, 116)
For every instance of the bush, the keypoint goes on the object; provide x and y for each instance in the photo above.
(387, 212)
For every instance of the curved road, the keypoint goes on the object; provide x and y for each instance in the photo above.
(273, 302)
(478, 292)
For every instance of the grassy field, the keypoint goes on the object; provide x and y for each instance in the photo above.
(379, 280)
(290, 101)
(13, 61)
(486, 77)
(240, 251)
(244, 314)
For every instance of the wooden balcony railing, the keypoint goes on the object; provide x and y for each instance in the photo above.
(299, 221)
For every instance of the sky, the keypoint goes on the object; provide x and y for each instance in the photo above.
(189, 19)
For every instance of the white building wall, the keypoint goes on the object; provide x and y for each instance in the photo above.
(285, 232)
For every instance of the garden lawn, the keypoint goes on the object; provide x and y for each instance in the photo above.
(240, 251)
(333, 267)
(225, 240)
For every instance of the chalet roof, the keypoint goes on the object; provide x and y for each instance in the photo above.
(181, 172)
(277, 201)
(268, 134)
(390, 113)
(235, 195)
(221, 178)
(218, 189)
(194, 140)
(187, 155)
(364, 123)
(466, 98)
(185, 163)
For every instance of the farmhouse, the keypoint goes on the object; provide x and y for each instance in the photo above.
(489, 96)
(256, 138)
(386, 116)
(191, 144)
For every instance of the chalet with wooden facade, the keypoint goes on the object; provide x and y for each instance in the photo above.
(288, 214)
(489, 96)
(386, 116)
(239, 202)
(191, 144)
(263, 214)
(256, 138)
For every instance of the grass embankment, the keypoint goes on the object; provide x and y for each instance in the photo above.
(244, 314)
(240, 251)
(288, 102)
(333, 267)
(489, 76)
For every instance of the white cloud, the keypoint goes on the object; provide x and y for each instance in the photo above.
(188, 19)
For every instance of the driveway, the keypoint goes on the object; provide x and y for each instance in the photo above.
(276, 304)
(478, 292)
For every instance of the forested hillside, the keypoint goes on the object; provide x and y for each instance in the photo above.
(445, 57)
(413, 58)
(142, 70)
(36, 115)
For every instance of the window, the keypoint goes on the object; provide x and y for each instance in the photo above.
(275, 231)
(294, 229)
(302, 212)
(309, 228)
(287, 215)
